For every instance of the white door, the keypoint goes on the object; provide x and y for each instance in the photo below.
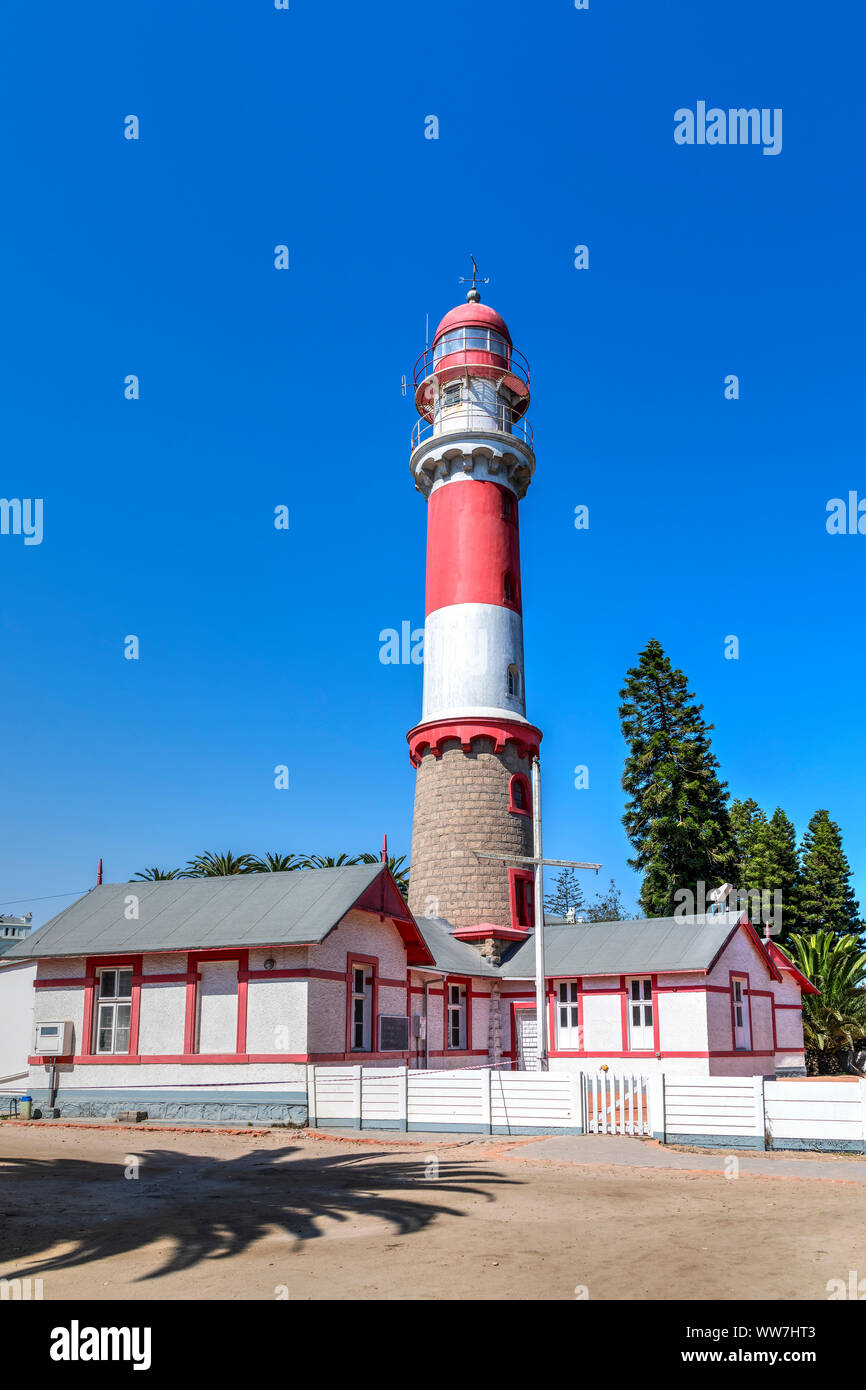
(527, 1040)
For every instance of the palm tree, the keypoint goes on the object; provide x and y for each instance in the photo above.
(329, 861)
(213, 865)
(276, 863)
(152, 875)
(398, 873)
(834, 1020)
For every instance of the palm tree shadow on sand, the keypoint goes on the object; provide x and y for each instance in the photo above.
(214, 1208)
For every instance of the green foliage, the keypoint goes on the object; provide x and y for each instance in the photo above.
(836, 965)
(275, 863)
(608, 907)
(825, 898)
(330, 861)
(747, 819)
(567, 895)
(677, 813)
(214, 865)
(766, 859)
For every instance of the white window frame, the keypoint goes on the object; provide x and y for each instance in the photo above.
(456, 1017)
(567, 1016)
(741, 1013)
(641, 1029)
(107, 1006)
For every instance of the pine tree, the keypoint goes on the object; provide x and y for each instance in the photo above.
(566, 895)
(677, 814)
(825, 898)
(774, 868)
(608, 907)
(746, 820)
(767, 861)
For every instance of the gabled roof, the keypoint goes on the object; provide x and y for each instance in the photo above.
(655, 945)
(784, 962)
(451, 955)
(294, 908)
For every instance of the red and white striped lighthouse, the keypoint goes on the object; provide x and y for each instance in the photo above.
(472, 458)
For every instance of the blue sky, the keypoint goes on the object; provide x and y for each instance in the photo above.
(261, 387)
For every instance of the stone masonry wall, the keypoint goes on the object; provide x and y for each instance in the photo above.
(461, 804)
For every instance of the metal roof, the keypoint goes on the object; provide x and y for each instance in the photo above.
(654, 945)
(203, 913)
(449, 954)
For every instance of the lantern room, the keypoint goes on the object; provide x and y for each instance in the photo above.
(473, 377)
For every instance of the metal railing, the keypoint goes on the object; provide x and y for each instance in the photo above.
(460, 419)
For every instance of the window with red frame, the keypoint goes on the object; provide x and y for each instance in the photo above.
(114, 1009)
(457, 1017)
(362, 995)
(519, 795)
(523, 901)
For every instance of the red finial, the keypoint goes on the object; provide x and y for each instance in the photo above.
(384, 849)
(99, 874)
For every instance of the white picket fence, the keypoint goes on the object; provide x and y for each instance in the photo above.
(716, 1111)
(476, 1100)
(616, 1104)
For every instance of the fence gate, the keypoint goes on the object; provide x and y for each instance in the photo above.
(615, 1104)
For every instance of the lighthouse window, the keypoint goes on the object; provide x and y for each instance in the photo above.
(451, 395)
(507, 506)
(513, 683)
(523, 902)
(519, 795)
(510, 588)
(470, 340)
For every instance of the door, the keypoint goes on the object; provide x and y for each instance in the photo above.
(527, 1040)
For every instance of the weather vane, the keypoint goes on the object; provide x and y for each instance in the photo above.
(473, 294)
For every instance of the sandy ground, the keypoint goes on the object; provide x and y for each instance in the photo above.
(281, 1214)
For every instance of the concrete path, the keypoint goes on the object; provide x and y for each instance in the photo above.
(618, 1151)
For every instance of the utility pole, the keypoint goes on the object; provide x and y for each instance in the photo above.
(538, 905)
(538, 861)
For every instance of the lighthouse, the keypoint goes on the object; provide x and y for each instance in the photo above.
(472, 459)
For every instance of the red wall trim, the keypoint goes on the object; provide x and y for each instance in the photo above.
(80, 982)
(429, 738)
(91, 965)
(194, 958)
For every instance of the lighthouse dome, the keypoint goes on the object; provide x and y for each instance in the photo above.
(473, 315)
